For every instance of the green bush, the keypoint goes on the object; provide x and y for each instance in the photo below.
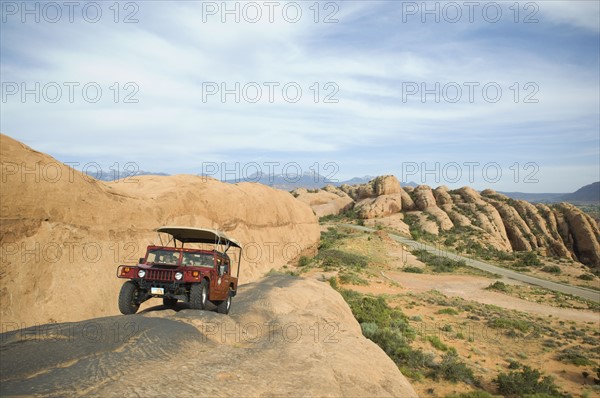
(397, 347)
(553, 269)
(472, 394)
(573, 355)
(524, 382)
(451, 368)
(372, 309)
(437, 343)
(330, 237)
(351, 214)
(368, 329)
(528, 259)
(351, 278)
(498, 285)
(416, 231)
(333, 258)
(450, 240)
(586, 277)
(414, 270)
(304, 261)
(438, 263)
(508, 323)
(448, 311)
(333, 283)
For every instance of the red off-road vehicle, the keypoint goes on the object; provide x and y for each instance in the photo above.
(176, 273)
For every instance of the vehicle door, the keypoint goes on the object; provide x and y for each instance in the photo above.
(221, 279)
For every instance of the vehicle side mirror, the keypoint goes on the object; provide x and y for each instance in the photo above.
(221, 269)
(141, 260)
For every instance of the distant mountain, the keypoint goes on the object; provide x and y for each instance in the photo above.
(355, 181)
(113, 175)
(365, 179)
(535, 197)
(308, 180)
(288, 182)
(588, 193)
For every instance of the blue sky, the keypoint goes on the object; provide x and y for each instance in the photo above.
(373, 54)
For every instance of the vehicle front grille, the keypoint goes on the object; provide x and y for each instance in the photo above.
(159, 275)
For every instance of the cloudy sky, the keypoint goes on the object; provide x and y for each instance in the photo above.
(489, 94)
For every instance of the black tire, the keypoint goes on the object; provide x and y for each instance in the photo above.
(199, 295)
(224, 306)
(129, 298)
(169, 302)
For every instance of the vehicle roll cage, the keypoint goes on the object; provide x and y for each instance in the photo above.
(200, 235)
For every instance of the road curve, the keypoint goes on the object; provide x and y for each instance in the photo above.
(582, 292)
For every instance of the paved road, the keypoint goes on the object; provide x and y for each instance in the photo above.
(558, 287)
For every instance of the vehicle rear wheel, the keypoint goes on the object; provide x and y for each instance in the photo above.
(129, 298)
(224, 306)
(169, 302)
(199, 295)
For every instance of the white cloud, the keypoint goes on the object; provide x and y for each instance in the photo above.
(171, 52)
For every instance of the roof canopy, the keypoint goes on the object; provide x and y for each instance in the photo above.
(198, 235)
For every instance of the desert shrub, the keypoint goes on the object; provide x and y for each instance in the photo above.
(351, 214)
(512, 364)
(552, 269)
(498, 285)
(472, 394)
(282, 271)
(586, 277)
(333, 283)
(372, 309)
(304, 261)
(418, 233)
(415, 229)
(450, 240)
(333, 258)
(351, 278)
(573, 355)
(448, 311)
(549, 343)
(368, 328)
(528, 259)
(437, 343)
(525, 382)
(397, 346)
(330, 237)
(502, 255)
(509, 323)
(438, 263)
(451, 368)
(414, 270)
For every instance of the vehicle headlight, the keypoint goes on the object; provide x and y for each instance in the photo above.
(178, 276)
(141, 273)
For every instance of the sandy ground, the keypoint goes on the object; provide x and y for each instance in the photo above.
(473, 288)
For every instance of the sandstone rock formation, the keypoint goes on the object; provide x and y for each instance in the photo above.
(328, 201)
(490, 219)
(285, 336)
(585, 235)
(63, 233)
(380, 197)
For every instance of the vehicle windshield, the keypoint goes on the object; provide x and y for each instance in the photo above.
(198, 260)
(161, 256)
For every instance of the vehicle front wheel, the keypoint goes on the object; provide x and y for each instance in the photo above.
(129, 298)
(224, 306)
(199, 295)
(169, 302)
